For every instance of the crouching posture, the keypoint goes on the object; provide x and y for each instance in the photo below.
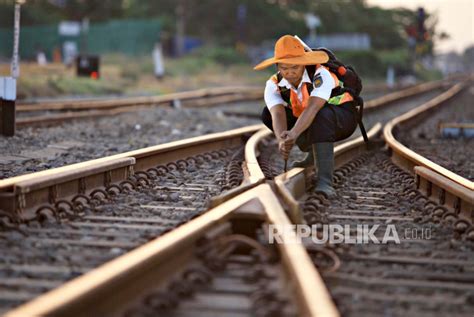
(306, 105)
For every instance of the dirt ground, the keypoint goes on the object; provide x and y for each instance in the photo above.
(120, 75)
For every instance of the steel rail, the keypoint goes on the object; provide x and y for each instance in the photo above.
(453, 190)
(407, 92)
(377, 103)
(107, 288)
(252, 172)
(71, 104)
(80, 295)
(253, 175)
(97, 292)
(252, 168)
(390, 98)
(20, 195)
(85, 109)
(133, 101)
(293, 184)
(87, 114)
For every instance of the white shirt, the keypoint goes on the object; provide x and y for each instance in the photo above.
(272, 93)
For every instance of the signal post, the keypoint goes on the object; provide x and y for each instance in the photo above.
(8, 84)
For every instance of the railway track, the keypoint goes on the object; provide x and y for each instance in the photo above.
(92, 257)
(428, 272)
(221, 262)
(59, 111)
(54, 112)
(38, 148)
(376, 106)
(430, 139)
(97, 225)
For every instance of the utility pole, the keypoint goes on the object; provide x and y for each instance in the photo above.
(241, 27)
(180, 28)
(8, 84)
(312, 22)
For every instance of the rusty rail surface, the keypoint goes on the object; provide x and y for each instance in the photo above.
(451, 190)
(134, 101)
(403, 92)
(87, 114)
(22, 195)
(106, 289)
(380, 102)
(103, 108)
(109, 288)
(85, 109)
(90, 103)
(96, 293)
(385, 100)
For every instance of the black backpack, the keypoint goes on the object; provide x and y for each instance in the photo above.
(352, 83)
(345, 73)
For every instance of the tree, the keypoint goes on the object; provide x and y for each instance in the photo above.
(215, 21)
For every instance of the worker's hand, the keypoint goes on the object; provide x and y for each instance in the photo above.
(287, 140)
(282, 148)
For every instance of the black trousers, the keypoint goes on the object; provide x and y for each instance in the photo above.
(331, 124)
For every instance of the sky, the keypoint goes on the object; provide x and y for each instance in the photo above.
(456, 17)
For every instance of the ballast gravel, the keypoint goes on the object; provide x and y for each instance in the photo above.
(426, 138)
(43, 147)
(39, 148)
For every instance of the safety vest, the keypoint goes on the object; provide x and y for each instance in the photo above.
(297, 106)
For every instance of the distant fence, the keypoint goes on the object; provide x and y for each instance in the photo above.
(343, 41)
(132, 37)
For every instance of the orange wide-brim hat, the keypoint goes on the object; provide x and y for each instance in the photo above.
(289, 50)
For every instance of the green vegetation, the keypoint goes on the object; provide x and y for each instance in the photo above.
(374, 64)
(57, 80)
(122, 75)
(214, 22)
(427, 74)
(83, 86)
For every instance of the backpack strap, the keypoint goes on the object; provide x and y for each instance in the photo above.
(284, 92)
(311, 70)
(359, 103)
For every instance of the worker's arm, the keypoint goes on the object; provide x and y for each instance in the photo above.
(307, 116)
(304, 121)
(278, 120)
(279, 126)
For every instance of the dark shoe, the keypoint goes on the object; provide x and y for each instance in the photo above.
(325, 167)
(306, 162)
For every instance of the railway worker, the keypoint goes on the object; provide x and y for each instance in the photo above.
(313, 116)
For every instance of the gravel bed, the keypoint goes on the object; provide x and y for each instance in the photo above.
(454, 154)
(231, 285)
(56, 247)
(428, 274)
(38, 148)
(385, 114)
